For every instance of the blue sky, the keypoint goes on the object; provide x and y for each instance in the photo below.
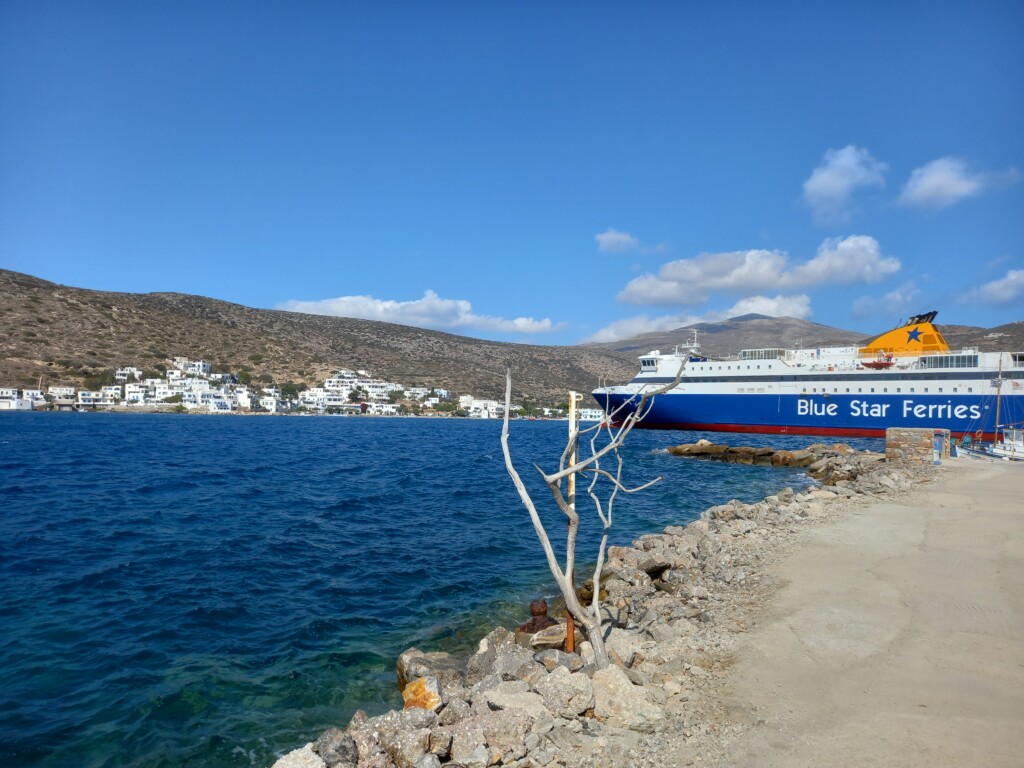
(523, 171)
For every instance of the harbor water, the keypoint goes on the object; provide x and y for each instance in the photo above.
(215, 591)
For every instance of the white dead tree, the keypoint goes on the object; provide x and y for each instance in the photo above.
(603, 487)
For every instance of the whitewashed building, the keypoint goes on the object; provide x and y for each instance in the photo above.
(246, 398)
(484, 409)
(272, 404)
(11, 401)
(382, 409)
(129, 372)
(35, 395)
(220, 405)
(335, 400)
(193, 367)
(135, 394)
(112, 392)
(86, 398)
(314, 398)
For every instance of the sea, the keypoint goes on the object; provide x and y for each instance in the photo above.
(215, 591)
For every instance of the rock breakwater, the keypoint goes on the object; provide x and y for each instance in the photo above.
(676, 603)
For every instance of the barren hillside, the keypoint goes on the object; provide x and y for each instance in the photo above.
(65, 335)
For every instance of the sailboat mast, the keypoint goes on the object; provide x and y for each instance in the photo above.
(999, 397)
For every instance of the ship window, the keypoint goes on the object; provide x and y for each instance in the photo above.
(911, 389)
(954, 389)
(970, 389)
(872, 389)
(950, 361)
(940, 389)
(885, 389)
(847, 389)
(926, 389)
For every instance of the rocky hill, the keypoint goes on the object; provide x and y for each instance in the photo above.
(68, 335)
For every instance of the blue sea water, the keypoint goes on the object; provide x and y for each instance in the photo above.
(214, 591)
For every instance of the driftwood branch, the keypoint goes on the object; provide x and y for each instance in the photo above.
(614, 431)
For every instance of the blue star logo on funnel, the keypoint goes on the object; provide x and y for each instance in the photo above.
(914, 335)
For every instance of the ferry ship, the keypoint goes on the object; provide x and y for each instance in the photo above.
(907, 377)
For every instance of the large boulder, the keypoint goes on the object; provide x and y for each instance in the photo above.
(304, 757)
(516, 695)
(501, 736)
(337, 748)
(405, 747)
(552, 658)
(413, 664)
(364, 733)
(620, 703)
(624, 644)
(499, 654)
(566, 694)
(423, 692)
(396, 738)
(549, 637)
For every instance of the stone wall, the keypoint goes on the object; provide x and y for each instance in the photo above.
(913, 446)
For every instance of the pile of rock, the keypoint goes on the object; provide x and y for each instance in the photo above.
(675, 603)
(769, 457)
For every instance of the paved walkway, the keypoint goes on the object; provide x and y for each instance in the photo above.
(899, 638)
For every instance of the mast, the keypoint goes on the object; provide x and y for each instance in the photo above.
(999, 397)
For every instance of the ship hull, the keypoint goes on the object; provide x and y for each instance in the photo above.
(831, 415)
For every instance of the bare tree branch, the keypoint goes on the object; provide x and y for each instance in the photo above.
(615, 433)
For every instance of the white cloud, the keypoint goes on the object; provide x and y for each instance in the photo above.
(898, 303)
(830, 187)
(634, 326)
(798, 306)
(947, 181)
(689, 282)
(614, 241)
(779, 306)
(431, 311)
(1001, 291)
(854, 259)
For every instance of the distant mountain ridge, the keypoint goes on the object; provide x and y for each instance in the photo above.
(729, 337)
(64, 335)
(753, 331)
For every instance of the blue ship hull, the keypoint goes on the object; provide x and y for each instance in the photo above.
(820, 414)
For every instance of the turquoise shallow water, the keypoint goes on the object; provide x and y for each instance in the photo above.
(215, 591)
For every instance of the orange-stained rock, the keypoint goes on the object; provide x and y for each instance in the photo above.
(424, 692)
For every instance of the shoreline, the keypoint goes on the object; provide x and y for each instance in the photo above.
(169, 409)
(684, 600)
